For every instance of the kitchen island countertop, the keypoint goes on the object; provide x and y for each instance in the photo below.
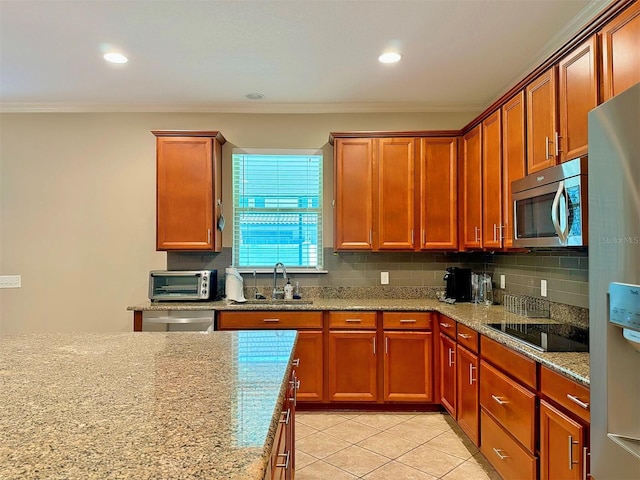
(141, 405)
(573, 365)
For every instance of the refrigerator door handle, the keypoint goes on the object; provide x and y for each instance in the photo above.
(555, 210)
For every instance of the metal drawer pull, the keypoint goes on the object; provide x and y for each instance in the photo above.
(296, 362)
(353, 320)
(471, 379)
(585, 452)
(386, 345)
(451, 360)
(576, 400)
(271, 320)
(571, 444)
(445, 325)
(466, 336)
(408, 320)
(498, 450)
(284, 465)
(287, 416)
(499, 400)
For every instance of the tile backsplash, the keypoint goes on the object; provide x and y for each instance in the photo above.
(566, 271)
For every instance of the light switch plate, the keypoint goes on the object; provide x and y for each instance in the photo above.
(503, 281)
(384, 278)
(543, 288)
(10, 281)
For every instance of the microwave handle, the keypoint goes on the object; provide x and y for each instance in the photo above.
(555, 212)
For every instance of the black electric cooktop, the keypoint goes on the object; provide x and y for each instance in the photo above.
(547, 337)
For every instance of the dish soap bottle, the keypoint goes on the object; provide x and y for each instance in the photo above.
(288, 291)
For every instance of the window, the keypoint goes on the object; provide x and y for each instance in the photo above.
(277, 208)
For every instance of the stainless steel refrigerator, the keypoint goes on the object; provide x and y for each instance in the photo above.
(614, 286)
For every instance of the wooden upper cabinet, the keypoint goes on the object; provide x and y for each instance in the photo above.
(470, 179)
(438, 164)
(577, 95)
(492, 181)
(541, 121)
(394, 176)
(513, 158)
(621, 52)
(188, 190)
(353, 191)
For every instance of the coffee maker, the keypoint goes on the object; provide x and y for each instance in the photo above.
(458, 286)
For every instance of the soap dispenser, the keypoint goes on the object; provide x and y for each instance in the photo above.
(288, 291)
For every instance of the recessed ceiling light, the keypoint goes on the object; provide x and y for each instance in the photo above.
(389, 57)
(115, 57)
(255, 96)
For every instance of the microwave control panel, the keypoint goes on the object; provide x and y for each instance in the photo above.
(624, 305)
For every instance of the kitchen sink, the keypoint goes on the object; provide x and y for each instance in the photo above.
(269, 301)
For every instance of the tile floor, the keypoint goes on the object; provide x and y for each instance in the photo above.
(385, 446)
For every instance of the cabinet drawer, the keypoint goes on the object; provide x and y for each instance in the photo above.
(447, 326)
(352, 320)
(269, 319)
(407, 320)
(569, 394)
(468, 338)
(518, 366)
(509, 459)
(512, 405)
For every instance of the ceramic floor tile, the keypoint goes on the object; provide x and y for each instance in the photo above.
(399, 471)
(415, 432)
(320, 421)
(382, 421)
(388, 444)
(303, 459)
(303, 430)
(431, 461)
(357, 461)
(320, 445)
(436, 421)
(454, 444)
(322, 471)
(351, 431)
(472, 469)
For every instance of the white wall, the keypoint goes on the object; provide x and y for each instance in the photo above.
(77, 203)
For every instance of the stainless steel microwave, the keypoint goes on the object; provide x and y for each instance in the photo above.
(550, 207)
(183, 285)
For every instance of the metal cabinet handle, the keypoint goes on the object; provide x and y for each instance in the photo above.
(558, 137)
(498, 450)
(465, 336)
(451, 354)
(374, 345)
(585, 453)
(412, 239)
(576, 400)
(546, 148)
(284, 465)
(208, 235)
(287, 417)
(571, 444)
(386, 345)
(424, 237)
(445, 325)
(408, 320)
(271, 320)
(499, 400)
(353, 320)
(370, 237)
(471, 369)
(476, 236)
(296, 362)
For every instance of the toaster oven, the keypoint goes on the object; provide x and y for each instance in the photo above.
(183, 285)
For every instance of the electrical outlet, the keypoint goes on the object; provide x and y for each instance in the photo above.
(543, 288)
(10, 281)
(503, 281)
(384, 278)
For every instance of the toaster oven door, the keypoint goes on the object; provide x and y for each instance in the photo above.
(175, 285)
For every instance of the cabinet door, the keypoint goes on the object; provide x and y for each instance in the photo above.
(408, 366)
(562, 442)
(621, 52)
(353, 193)
(471, 194)
(513, 158)
(468, 406)
(185, 193)
(439, 193)
(492, 181)
(448, 385)
(309, 371)
(352, 366)
(577, 95)
(541, 121)
(394, 175)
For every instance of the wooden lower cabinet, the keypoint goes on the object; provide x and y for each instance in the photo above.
(309, 352)
(352, 366)
(468, 406)
(281, 465)
(408, 366)
(447, 375)
(510, 459)
(562, 445)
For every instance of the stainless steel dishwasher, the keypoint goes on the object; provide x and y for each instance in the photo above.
(178, 321)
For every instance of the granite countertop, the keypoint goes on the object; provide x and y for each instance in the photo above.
(141, 405)
(574, 365)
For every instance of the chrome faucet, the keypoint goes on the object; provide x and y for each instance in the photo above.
(277, 292)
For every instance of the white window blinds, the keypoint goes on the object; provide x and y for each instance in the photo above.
(277, 208)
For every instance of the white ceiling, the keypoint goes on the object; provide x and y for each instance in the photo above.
(303, 55)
